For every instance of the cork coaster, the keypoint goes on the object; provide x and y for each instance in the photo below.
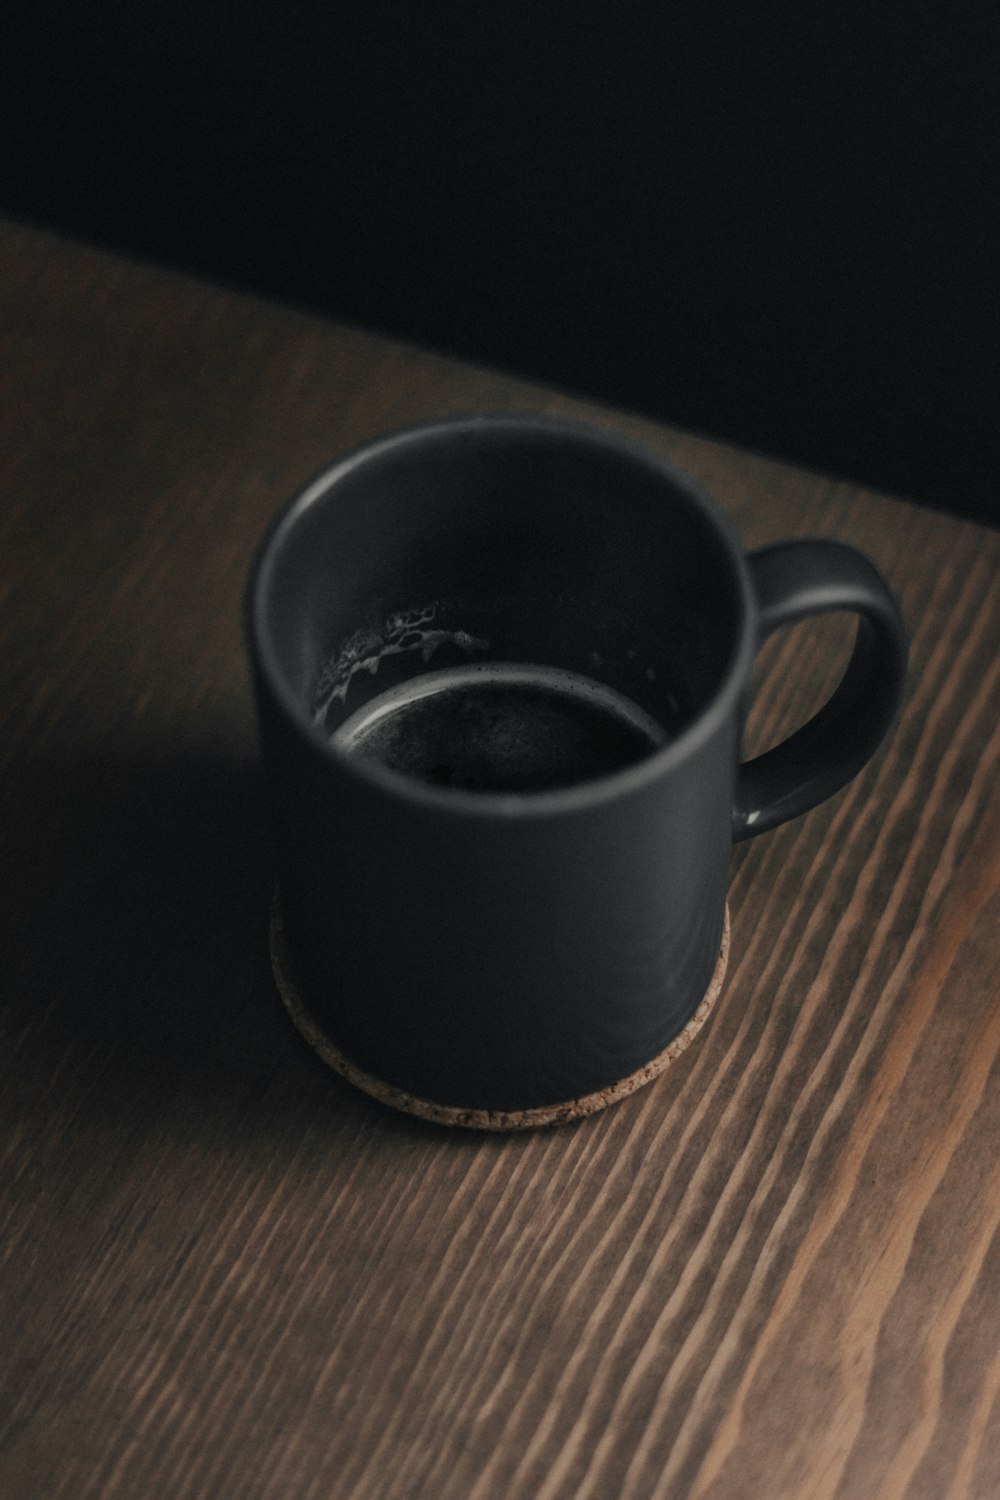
(480, 1119)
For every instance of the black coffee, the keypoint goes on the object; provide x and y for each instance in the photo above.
(501, 727)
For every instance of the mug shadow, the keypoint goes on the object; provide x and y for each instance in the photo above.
(156, 934)
(154, 946)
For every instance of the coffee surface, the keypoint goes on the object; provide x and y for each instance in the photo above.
(502, 727)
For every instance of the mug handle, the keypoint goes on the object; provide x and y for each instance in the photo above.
(792, 581)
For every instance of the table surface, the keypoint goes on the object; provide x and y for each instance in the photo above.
(774, 1272)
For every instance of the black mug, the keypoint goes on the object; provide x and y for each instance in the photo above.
(501, 667)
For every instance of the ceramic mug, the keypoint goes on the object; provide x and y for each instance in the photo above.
(501, 667)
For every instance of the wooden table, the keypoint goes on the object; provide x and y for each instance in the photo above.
(775, 1272)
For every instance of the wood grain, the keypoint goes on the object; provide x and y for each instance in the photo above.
(775, 1272)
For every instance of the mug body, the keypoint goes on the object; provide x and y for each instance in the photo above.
(507, 947)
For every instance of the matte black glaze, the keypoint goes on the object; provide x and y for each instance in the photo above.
(791, 581)
(504, 951)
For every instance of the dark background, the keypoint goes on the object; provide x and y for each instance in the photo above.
(773, 224)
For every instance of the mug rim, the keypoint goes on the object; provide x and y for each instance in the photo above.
(597, 790)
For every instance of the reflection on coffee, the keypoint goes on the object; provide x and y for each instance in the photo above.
(502, 727)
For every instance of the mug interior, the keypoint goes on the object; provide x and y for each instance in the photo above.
(500, 540)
